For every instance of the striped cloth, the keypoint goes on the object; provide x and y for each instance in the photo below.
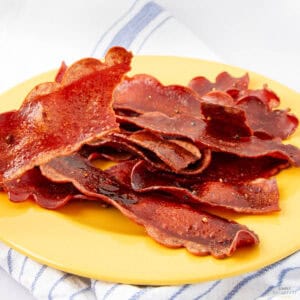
(272, 282)
(144, 27)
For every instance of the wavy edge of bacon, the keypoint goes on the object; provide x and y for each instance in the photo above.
(172, 155)
(57, 118)
(233, 92)
(32, 185)
(168, 222)
(256, 196)
(235, 115)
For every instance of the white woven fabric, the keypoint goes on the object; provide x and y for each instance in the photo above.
(36, 36)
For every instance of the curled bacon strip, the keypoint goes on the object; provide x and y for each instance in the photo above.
(181, 157)
(226, 121)
(46, 193)
(266, 122)
(255, 197)
(224, 82)
(169, 223)
(257, 105)
(267, 96)
(224, 115)
(196, 131)
(58, 118)
(223, 167)
(175, 155)
(61, 72)
(144, 93)
(259, 119)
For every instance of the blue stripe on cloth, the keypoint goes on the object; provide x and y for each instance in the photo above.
(249, 278)
(152, 31)
(9, 261)
(110, 291)
(284, 273)
(208, 290)
(22, 268)
(129, 31)
(61, 279)
(179, 291)
(37, 276)
(139, 293)
(281, 276)
(113, 25)
(79, 292)
(269, 289)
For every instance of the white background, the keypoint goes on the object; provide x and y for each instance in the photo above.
(259, 35)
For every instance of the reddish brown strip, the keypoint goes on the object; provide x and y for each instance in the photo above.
(196, 130)
(33, 185)
(256, 105)
(223, 167)
(144, 93)
(267, 96)
(177, 156)
(232, 85)
(226, 121)
(265, 122)
(224, 82)
(252, 115)
(173, 155)
(255, 197)
(169, 223)
(56, 119)
(61, 72)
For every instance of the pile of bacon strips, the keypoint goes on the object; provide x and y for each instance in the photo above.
(178, 150)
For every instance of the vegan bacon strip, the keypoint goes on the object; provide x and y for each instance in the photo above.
(236, 87)
(267, 96)
(265, 122)
(177, 156)
(46, 193)
(224, 82)
(169, 223)
(255, 197)
(251, 112)
(258, 116)
(223, 167)
(143, 94)
(196, 130)
(257, 105)
(167, 155)
(58, 118)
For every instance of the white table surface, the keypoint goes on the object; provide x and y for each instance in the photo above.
(259, 35)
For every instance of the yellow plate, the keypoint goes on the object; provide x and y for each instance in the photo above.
(85, 239)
